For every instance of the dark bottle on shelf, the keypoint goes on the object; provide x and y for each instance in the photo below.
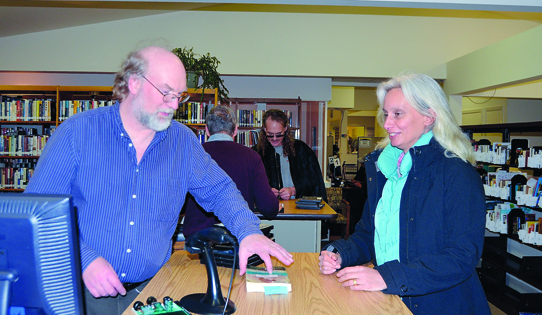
(516, 218)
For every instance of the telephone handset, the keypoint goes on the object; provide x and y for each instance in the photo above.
(211, 302)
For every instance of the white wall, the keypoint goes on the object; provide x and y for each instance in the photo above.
(274, 44)
(49, 78)
(522, 110)
(510, 61)
(308, 89)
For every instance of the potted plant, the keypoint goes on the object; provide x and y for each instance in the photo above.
(204, 66)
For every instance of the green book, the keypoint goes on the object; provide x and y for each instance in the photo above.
(259, 280)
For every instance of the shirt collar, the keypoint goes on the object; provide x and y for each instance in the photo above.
(160, 135)
(220, 137)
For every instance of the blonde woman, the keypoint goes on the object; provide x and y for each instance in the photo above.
(424, 219)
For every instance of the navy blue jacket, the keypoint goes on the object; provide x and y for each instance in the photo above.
(442, 220)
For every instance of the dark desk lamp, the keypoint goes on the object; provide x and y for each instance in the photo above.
(211, 302)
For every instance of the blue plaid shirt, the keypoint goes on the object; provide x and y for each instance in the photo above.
(128, 212)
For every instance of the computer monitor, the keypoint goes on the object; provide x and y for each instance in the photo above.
(40, 269)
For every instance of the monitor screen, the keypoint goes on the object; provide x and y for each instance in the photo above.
(40, 269)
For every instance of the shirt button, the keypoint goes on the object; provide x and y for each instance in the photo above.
(137, 170)
(122, 134)
(131, 222)
(130, 145)
(404, 288)
(134, 196)
(128, 250)
(123, 275)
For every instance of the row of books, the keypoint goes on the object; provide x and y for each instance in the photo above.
(27, 131)
(531, 157)
(502, 152)
(15, 109)
(250, 118)
(499, 184)
(22, 141)
(15, 173)
(196, 113)
(22, 145)
(68, 108)
(248, 138)
(498, 153)
(193, 112)
(508, 218)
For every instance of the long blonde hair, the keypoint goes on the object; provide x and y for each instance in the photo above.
(425, 95)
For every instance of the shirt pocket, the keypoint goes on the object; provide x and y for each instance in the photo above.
(167, 200)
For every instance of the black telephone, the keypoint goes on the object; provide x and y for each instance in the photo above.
(211, 302)
(207, 238)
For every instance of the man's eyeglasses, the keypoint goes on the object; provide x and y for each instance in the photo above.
(168, 97)
(276, 135)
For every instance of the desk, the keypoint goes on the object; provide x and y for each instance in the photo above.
(312, 292)
(299, 230)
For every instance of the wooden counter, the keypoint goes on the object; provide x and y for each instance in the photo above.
(312, 292)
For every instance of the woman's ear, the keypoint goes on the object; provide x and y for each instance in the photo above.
(430, 120)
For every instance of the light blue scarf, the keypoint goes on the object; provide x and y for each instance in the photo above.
(387, 211)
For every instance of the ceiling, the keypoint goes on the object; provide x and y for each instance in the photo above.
(19, 17)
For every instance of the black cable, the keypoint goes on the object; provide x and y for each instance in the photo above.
(489, 99)
(232, 275)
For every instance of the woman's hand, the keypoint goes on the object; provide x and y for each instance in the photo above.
(361, 278)
(329, 262)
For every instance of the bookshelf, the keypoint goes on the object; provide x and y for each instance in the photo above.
(250, 113)
(511, 269)
(193, 112)
(29, 114)
(306, 121)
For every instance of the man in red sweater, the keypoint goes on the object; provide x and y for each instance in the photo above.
(241, 163)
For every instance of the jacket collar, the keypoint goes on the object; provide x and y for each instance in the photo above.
(420, 154)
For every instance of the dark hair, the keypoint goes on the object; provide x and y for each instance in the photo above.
(135, 64)
(288, 141)
(221, 119)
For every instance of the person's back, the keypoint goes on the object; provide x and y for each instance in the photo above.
(247, 171)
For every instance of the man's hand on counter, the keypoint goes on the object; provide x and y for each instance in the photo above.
(263, 247)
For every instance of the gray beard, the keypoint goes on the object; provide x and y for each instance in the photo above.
(151, 120)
